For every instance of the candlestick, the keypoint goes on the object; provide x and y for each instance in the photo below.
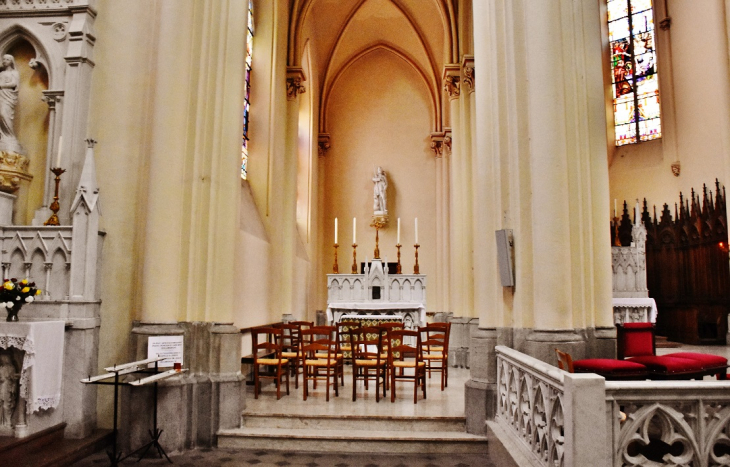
(616, 240)
(60, 147)
(416, 230)
(55, 207)
(335, 231)
(335, 267)
(376, 253)
(354, 258)
(415, 266)
(354, 230)
(397, 268)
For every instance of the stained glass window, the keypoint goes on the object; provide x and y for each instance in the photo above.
(247, 94)
(633, 71)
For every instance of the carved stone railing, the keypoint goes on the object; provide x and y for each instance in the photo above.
(557, 418)
(629, 266)
(670, 422)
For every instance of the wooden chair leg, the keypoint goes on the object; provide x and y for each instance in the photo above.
(305, 382)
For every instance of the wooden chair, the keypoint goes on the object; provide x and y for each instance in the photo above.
(367, 355)
(319, 347)
(267, 353)
(344, 345)
(435, 342)
(403, 357)
(291, 348)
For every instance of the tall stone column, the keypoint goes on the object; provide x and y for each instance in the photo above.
(284, 223)
(191, 219)
(459, 235)
(542, 166)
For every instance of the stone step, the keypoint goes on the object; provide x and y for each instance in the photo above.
(318, 440)
(353, 422)
(49, 449)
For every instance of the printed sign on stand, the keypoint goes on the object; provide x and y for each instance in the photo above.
(168, 347)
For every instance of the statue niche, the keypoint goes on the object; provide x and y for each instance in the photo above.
(13, 161)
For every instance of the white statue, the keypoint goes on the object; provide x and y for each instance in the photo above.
(379, 192)
(8, 390)
(9, 83)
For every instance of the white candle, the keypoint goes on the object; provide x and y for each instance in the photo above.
(354, 230)
(398, 240)
(60, 146)
(416, 231)
(614, 207)
(335, 231)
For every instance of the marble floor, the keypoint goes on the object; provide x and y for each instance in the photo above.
(449, 403)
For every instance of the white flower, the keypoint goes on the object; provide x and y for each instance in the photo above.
(3, 305)
(18, 297)
(8, 304)
(28, 299)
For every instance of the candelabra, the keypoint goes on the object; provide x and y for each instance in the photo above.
(616, 240)
(397, 268)
(415, 266)
(354, 258)
(335, 268)
(55, 207)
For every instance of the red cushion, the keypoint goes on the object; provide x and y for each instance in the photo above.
(668, 365)
(707, 360)
(638, 339)
(608, 366)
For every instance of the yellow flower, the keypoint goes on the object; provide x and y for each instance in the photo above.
(8, 285)
(24, 281)
(38, 292)
(25, 289)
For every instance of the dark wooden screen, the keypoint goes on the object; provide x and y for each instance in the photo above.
(688, 273)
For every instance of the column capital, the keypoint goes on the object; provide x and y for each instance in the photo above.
(437, 144)
(447, 140)
(323, 142)
(52, 98)
(452, 78)
(467, 72)
(294, 79)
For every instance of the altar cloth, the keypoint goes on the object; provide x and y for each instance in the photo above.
(42, 372)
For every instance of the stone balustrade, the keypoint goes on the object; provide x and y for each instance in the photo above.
(559, 418)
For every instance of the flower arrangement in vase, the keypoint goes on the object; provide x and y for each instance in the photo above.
(14, 294)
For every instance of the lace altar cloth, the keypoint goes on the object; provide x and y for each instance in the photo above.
(41, 375)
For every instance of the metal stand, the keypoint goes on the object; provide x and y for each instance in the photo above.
(115, 456)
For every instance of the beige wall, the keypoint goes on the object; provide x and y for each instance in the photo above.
(699, 57)
(380, 115)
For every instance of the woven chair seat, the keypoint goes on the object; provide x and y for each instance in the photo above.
(271, 361)
(324, 355)
(431, 356)
(369, 362)
(291, 354)
(408, 364)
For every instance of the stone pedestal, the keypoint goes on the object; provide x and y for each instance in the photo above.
(6, 208)
(192, 407)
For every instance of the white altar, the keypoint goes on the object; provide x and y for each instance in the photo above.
(34, 349)
(375, 293)
(631, 301)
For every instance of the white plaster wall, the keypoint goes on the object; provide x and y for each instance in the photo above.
(380, 115)
(700, 76)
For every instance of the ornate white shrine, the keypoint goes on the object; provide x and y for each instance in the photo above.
(375, 292)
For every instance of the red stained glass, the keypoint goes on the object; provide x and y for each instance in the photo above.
(633, 71)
